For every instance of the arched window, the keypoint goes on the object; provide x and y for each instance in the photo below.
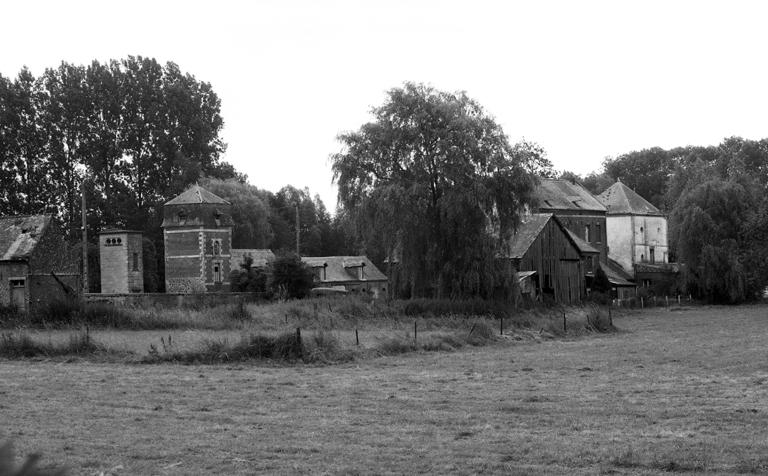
(216, 247)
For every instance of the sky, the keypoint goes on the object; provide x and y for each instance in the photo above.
(585, 80)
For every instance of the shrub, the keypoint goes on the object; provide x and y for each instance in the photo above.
(289, 277)
(480, 333)
(21, 345)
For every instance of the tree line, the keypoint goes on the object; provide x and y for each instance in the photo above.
(431, 188)
(131, 134)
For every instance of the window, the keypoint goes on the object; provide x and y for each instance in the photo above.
(135, 261)
(590, 264)
(652, 256)
(319, 272)
(641, 229)
(586, 234)
(642, 258)
(217, 272)
(216, 247)
(17, 283)
(113, 242)
(598, 232)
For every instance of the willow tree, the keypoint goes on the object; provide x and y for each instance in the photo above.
(434, 182)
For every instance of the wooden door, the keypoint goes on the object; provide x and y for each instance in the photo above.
(18, 293)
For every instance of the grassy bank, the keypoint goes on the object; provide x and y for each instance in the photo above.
(330, 329)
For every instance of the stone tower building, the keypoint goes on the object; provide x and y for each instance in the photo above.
(121, 261)
(197, 232)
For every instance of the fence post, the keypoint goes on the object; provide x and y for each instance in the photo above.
(565, 328)
(678, 299)
(667, 299)
(501, 325)
(357, 338)
(415, 334)
(642, 303)
(610, 316)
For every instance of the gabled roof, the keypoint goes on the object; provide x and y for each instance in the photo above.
(343, 269)
(196, 194)
(19, 235)
(526, 233)
(622, 200)
(529, 230)
(555, 194)
(582, 245)
(260, 257)
(616, 274)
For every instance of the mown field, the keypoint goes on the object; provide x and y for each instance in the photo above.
(679, 391)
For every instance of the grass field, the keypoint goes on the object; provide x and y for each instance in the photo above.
(679, 391)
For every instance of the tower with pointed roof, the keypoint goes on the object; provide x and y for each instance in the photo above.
(197, 234)
(637, 230)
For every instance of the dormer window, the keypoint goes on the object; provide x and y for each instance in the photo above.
(217, 216)
(216, 247)
(181, 217)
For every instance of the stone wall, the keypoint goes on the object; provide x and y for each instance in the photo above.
(149, 300)
(44, 288)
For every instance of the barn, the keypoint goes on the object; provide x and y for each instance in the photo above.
(544, 252)
(36, 264)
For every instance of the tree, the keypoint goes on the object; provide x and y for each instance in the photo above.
(249, 213)
(645, 171)
(711, 229)
(435, 179)
(289, 277)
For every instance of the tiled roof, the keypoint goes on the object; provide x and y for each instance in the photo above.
(555, 194)
(344, 268)
(260, 257)
(526, 234)
(616, 274)
(582, 245)
(19, 235)
(657, 268)
(196, 194)
(622, 200)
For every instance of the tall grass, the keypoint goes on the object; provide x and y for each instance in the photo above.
(15, 345)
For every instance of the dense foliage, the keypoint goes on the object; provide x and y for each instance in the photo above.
(434, 183)
(134, 133)
(289, 277)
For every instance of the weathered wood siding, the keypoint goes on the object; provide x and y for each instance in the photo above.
(558, 264)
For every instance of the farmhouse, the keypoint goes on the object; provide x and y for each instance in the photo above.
(548, 259)
(637, 237)
(36, 264)
(353, 273)
(578, 210)
(584, 218)
(197, 235)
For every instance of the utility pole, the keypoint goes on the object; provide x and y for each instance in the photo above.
(298, 253)
(85, 242)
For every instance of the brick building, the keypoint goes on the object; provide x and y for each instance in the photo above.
(36, 264)
(121, 261)
(197, 235)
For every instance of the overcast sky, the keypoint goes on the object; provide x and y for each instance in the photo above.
(583, 79)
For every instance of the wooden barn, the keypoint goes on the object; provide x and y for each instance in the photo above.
(544, 252)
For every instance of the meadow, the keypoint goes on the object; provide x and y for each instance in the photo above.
(682, 390)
